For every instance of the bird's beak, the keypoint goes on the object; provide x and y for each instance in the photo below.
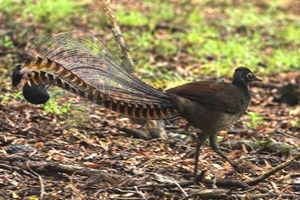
(257, 79)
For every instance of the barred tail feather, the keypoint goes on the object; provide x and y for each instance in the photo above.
(141, 111)
(83, 65)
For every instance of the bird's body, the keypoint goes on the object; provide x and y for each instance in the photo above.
(90, 71)
(213, 106)
(206, 102)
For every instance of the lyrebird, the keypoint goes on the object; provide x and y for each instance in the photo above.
(84, 66)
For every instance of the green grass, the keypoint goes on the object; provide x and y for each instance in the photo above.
(206, 37)
(132, 18)
(49, 14)
(231, 33)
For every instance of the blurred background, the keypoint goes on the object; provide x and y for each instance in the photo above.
(171, 42)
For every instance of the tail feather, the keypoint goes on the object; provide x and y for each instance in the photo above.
(87, 56)
(141, 110)
(84, 66)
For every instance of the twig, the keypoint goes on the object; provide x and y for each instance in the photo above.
(209, 194)
(118, 35)
(225, 183)
(139, 192)
(40, 179)
(73, 187)
(254, 181)
(286, 134)
(179, 186)
(269, 173)
(165, 185)
(127, 62)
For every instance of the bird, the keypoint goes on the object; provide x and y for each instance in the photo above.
(213, 106)
(83, 65)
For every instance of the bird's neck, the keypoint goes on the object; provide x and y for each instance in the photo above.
(242, 86)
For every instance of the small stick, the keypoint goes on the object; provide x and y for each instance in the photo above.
(269, 173)
(118, 34)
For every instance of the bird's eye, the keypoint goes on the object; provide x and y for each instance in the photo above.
(250, 76)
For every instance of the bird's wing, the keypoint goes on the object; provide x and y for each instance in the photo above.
(218, 96)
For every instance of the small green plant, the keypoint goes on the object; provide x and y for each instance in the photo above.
(135, 143)
(18, 95)
(256, 119)
(7, 42)
(295, 122)
(4, 98)
(52, 107)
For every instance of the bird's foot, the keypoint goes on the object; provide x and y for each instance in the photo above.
(199, 177)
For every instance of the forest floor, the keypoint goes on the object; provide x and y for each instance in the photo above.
(82, 151)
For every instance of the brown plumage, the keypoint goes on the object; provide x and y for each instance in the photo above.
(213, 106)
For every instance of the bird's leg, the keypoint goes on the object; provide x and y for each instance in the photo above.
(201, 138)
(213, 140)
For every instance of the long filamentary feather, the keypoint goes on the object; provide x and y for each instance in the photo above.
(84, 66)
(88, 58)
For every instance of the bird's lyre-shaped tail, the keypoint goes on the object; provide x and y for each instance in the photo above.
(83, 65)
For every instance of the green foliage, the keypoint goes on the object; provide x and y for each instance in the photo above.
(295, 122)
(4, 98)
(10, 6)
(52, 107)
(159, 11)
(18, 95)
(135, 143)
(6, 42)
(229, 33)
(241, 35)
(256, 119)
(215, 36)
(131, 18)
(48, 13)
